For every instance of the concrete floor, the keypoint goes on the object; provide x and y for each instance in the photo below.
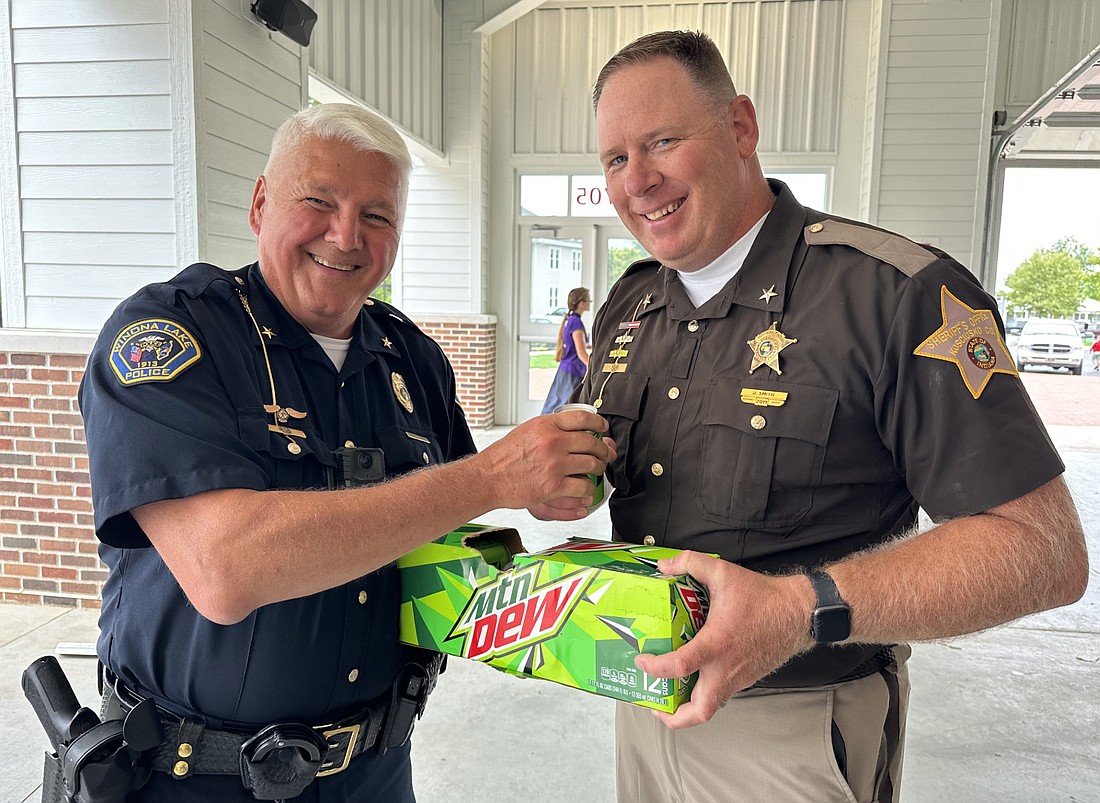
(1012, 714)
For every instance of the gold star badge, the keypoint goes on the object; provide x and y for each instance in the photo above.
(387, 343)
(268, 333)
(768, 295)
(970, 339)
(766, 347)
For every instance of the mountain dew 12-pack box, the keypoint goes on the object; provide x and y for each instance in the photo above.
(576, 614)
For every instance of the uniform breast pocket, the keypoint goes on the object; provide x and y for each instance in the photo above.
(295, 454)
(761, 464)
(621, 405)
(407, 449)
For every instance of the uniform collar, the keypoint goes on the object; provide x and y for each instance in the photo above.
(282, 330)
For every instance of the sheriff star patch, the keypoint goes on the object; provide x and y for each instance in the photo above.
(970, 339)
(153, 350)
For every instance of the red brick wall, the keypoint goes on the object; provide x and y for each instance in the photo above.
(47, 543)
(472, 350)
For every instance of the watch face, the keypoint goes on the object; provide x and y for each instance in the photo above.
(831, 623)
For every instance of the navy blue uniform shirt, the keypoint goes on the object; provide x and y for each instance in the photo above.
(177, 400)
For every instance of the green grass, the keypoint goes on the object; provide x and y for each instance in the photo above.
(542, 360)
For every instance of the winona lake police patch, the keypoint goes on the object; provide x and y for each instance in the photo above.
(153, 350)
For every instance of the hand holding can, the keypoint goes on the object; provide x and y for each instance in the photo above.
(598, 494)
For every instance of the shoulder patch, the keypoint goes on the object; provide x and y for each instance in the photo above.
(893, 249)
(153, 350)
(970, 339)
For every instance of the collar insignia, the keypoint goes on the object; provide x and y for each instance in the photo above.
(768, 295)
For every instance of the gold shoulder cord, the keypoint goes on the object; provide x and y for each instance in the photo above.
(280, 414)
(619, 342)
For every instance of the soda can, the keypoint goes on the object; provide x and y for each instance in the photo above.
(598, 494)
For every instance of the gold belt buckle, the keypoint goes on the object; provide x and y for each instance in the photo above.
(329, 767)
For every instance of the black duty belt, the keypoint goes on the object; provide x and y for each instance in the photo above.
(190, 748)
(279, 761)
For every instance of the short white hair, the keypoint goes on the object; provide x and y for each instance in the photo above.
(361, 127)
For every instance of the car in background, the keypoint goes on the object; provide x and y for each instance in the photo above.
(1054, 342)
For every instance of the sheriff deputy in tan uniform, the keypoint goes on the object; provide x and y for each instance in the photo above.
(785, 389)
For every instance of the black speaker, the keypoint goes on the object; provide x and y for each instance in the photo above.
(292, 18)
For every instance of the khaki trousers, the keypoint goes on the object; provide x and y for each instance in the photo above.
(771, 746)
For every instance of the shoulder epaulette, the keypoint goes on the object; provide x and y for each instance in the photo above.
(377, 307)
(893, 249)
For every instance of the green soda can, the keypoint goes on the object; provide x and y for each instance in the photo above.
(598, 494)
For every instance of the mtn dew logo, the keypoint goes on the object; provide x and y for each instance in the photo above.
(695, 603)
(512, 613)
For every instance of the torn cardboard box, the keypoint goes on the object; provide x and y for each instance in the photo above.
(576, 614)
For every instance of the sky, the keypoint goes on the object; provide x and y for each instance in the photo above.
(1043, 205)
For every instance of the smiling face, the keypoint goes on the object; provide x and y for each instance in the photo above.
(327, 218)
(684, 179)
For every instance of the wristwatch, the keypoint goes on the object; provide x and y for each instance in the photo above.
(831, 620)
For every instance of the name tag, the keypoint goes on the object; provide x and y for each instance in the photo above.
(763, 398)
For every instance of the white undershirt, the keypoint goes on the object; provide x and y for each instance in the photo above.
(703, 284)
(335, 348)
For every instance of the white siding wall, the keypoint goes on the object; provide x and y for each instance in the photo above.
(248, 81)
(936, 117)
(441, 262)
(92, 117)
(139, 128)
(389, 55)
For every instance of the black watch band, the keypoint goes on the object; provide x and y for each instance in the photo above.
(831, 620)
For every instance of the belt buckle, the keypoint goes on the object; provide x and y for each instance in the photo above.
(352, 731)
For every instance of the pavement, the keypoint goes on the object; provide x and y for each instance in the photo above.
(1011, 714)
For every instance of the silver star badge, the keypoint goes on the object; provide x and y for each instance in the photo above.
(768, 295)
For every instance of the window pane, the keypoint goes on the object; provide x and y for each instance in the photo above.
(544, 196)
(808, 188)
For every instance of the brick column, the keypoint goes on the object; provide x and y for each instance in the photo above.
(47, 541)
(470, 343)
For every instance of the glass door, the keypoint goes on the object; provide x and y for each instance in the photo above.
(553, 261)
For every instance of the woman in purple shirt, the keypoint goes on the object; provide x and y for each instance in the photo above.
(572, 353)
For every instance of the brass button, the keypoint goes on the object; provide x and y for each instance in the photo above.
(426, 458)
(757, 422)
(181, 768)
(239, 280)
(353, 676)
(362, 597)
(349, 444)
(674, 393)
(598, 403)
(657, 469)
(815, 228)
(693, 326)
(342, 384)
(369, 302)
(184, 749)
(294, 448)
(649, 540)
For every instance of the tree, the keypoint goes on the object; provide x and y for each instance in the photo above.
(620, 257)
(1089, 261)
(1050, 283)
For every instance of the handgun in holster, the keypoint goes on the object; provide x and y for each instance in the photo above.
(414, 683)
(92, 761)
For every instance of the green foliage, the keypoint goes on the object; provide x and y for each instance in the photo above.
(384, 291)
(1053, 281)
(620, 258)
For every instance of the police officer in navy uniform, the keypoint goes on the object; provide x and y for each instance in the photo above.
(785, 389)
(264, 443)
